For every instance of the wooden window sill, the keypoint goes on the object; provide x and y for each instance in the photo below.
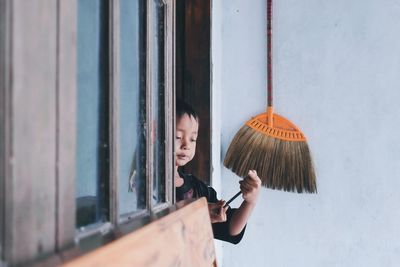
(178, 236)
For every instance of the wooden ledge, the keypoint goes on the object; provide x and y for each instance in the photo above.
(182, 238)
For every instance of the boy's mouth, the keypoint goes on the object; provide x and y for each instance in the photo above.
(182, 156)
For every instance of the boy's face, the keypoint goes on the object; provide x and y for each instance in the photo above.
(186, 136)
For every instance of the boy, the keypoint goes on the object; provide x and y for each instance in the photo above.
(228, 224)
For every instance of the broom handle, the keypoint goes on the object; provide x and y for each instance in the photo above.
(269, 64)
(232, 199)
(269, 52)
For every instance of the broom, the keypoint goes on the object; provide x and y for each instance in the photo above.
(272, 145)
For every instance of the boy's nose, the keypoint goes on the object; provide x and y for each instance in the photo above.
(185, 144)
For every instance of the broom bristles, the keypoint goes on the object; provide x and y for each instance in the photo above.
(280, 164)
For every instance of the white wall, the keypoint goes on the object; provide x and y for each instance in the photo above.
(337, 77)
(216, 74)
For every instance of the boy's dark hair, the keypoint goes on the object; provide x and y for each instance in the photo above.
(183, 108)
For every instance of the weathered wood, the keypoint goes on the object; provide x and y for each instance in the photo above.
(169, 101)
(5, 30)
(182, 238)
(30, 211)
(168, 70)
(154, 44)
(66, 122)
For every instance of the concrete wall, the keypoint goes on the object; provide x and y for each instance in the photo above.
(336, 76)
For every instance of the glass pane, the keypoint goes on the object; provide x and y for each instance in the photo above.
(92, 118)
(158, 88)
(132, 101)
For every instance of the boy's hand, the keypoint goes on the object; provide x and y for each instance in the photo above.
(217, 211)
(250, 187)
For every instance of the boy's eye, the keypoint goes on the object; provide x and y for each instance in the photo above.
(178, 137)
(193, 140)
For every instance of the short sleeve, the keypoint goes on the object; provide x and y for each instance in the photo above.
(211, 195)
(221, 230)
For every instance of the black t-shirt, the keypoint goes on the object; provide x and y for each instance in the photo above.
(194, 188)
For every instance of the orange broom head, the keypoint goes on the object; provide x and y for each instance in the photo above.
(277, 150)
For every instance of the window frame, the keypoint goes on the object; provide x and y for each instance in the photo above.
(114, 125)
(60, 18)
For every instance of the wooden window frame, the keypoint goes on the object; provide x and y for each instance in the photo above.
(60, 18)
(169, 109)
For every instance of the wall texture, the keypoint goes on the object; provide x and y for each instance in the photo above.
(336, 76)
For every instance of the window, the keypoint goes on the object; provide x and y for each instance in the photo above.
(86, 120)
(132, 95)
(93, 142)
(124, 110)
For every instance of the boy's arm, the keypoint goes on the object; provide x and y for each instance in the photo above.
(250, 188)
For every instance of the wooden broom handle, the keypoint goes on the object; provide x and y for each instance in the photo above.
(269, 52)
(232, 198)
(269, 64)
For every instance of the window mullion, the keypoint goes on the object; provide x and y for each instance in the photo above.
(170, 101)
(114, 126)
(149, 124)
